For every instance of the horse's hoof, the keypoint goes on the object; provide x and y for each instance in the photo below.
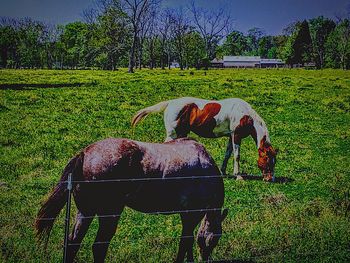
(239, 177)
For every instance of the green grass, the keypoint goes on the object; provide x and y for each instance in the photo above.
(48, 116)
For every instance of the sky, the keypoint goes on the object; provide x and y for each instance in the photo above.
(271, 15)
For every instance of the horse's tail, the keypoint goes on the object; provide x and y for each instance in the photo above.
(56, 201)
(141, 114)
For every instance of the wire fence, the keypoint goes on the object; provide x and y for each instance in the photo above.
(278, 179)
(148, 179)
(67, 218)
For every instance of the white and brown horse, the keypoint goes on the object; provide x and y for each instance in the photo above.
(174, 177)
(231, 117)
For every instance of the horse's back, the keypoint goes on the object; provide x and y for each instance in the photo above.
(189, 178)
(103, 157)
(152, 176)
(227, 106)
(182, 156)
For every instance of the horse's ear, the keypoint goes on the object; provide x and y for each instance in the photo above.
(224, 214)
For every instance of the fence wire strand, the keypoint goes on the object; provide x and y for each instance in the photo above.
(237, 203)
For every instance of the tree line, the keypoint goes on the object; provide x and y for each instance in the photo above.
(140, 33)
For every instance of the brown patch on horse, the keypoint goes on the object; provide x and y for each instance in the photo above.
(201, 117)
(201, 122)
(244, 129)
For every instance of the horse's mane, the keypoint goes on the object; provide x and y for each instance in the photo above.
(257, 117)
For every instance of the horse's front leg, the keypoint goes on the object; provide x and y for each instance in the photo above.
(170, 127)
(185, 248)
(237, 156)
(228, 153)
(107, 227)
(170, 133)
(189, 223)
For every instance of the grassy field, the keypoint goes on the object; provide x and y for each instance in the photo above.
(48, 116)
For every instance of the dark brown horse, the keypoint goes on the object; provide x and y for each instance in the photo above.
(174, 177)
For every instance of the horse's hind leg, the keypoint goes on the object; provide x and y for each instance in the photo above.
(189, 223)
(107, 228)
(82, 223)
(171, 132)
(228, 153)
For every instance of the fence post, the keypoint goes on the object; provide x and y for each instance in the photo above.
(67, 218)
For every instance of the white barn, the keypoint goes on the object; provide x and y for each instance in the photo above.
(271, 63)
(247, 62)
(241, 61)
(174, 64)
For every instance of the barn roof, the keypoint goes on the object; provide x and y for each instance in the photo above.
(242, 59)
(271, 61)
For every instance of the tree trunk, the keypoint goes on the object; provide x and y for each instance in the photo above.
(151, 55)
(139, 54)
(168, 57)
(132, 53)
(162, 61)
(4, 57)
(162, 64)
(61, 61)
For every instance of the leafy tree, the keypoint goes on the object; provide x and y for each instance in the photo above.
(194, 49)
(30, 46)
(253, 37)
(320, 28)
(303, 44)
(338, 46)
(298, 49)
(288, 51)
(266, 47)
(279, 43)
(74, 41)
(8, 42)
(113, 37)
(235, 44)
(119, 32)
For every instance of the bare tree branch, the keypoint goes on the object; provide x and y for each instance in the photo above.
(137, 11)
(212, 25)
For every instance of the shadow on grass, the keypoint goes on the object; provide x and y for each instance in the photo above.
(232, 261)
(28, 86)
(251, 177)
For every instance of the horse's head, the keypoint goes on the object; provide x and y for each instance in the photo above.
(267, 160)
(210, 232)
